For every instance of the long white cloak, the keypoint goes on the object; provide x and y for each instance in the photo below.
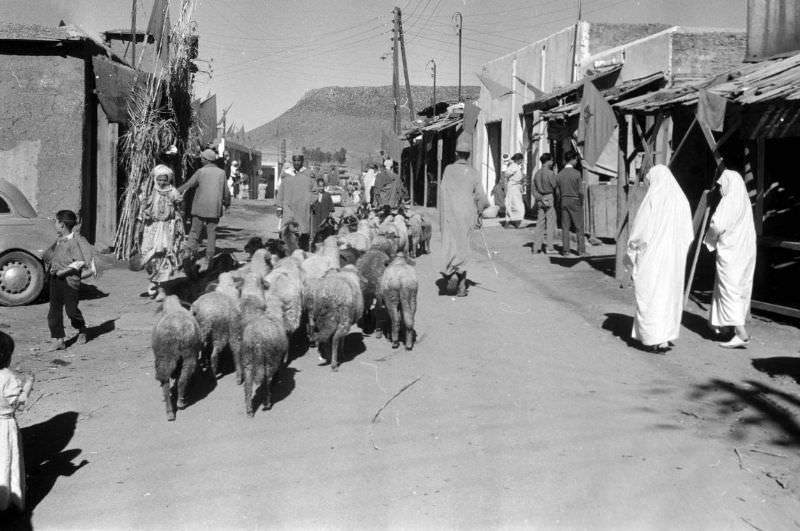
(657, 248)
(732, 233)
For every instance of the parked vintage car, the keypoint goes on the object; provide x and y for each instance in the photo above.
(23, 239)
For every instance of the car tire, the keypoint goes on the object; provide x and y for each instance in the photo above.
(21, 278)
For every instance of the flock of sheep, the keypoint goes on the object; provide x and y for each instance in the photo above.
(360, 272)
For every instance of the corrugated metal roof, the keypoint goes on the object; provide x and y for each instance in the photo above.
(749, 84)
(553, 99)
(613, 94)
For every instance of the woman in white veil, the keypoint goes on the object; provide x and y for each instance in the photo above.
(732, 234)
(657, 248)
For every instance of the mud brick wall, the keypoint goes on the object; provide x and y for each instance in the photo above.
(701, 54)
(603, 36)
(41, 133)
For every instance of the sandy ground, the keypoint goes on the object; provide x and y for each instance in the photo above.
(526, 407)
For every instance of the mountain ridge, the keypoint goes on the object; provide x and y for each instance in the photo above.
(335, 117)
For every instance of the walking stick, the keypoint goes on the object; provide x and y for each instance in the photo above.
(488, 252)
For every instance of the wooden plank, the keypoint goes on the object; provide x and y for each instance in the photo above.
(775, 308)
(106, 213)
(779, 243)
(760, 165)
(622, 201)
(682, 142)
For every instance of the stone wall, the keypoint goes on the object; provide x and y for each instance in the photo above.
(42, 99)
(699, 54)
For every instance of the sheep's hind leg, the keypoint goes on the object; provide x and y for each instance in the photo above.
(336, 346)
(187, 369)
(248, 390)
(166, 388)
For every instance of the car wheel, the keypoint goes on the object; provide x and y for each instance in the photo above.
(21, 278)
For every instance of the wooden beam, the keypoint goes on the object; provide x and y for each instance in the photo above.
(775, 308)
(622, 202)
(682, 142)
(760, 183)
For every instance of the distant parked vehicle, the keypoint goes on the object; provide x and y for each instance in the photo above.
(23, 239)
(337, 194)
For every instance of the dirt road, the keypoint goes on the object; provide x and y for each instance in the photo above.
(525, 408)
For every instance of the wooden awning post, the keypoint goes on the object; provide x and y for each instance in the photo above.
(622, 201)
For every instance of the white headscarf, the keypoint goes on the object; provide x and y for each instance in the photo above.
(657, 249)
(664, 212)
(734, 212)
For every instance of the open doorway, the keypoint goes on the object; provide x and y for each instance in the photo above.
(493, 134)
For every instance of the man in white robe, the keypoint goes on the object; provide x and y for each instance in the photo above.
(732, 234)
(657, 248)
(515, 207)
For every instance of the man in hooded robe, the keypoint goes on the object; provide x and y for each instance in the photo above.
(295, 196)
(732, 234)
(462, 201)
(388, 189)
(657, 248)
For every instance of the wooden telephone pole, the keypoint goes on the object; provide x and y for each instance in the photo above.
(405, 64)
(395, 80)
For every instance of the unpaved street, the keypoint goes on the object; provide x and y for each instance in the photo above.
(526, 409)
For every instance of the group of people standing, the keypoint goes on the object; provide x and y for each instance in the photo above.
(551, 192)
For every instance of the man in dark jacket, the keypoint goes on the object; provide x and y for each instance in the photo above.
(570, 191)
(321, 208)
(211, 195)
(544, 188)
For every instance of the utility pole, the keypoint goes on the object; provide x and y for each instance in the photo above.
(395, 76)
(133, 33)
(458, 18)
(433, 98)
(405, 64)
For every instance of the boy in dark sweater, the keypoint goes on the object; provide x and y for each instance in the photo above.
(67, 261)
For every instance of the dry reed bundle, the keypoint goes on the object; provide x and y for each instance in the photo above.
(160, 116)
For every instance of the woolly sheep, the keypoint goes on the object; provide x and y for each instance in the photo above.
(264, 346)
(176, 344)
(370, 269)
(220, 323)
(338, 304)
(398, 291)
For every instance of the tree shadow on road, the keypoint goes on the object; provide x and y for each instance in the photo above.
(754, 404)
(46, 460)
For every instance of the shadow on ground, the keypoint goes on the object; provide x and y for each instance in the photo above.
(752, 405)
(779, 366)
(45, 461)
(89, 292)
(620, 326)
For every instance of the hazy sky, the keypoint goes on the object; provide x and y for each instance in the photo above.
(264, 54)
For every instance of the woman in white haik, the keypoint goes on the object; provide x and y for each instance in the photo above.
(732, 234)
(657, 248)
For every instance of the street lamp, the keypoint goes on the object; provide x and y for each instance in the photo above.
(458, 19)
(433, 105)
